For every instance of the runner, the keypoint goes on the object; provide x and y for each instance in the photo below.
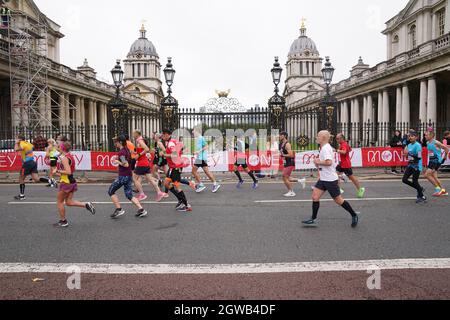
(288, 156)
(345, 166)
(159, 162)
(51, 153)
(143, 169)
(414, 153)
(201, 161)
(241, 162)
(29, 166)
(328, 181)
(68, 185)
(173, 155)
(435, 160)
(125, 180)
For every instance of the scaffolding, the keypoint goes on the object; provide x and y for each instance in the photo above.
(31, 96)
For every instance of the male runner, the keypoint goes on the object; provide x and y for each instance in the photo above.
(29, 166)
(435, 160)
(174, 160)
(201, 161)
(241, 161)
(345, 166)
(125, 180)
(288, 156)
(143, 169)
(328, 181)
(414, 153)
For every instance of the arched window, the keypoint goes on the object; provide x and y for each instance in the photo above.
(395, 43)
(413, 36)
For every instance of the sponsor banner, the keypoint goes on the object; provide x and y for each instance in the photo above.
(384, 157)
(305, 160)
(217, 162)
(258, 161)
(103, 161)
(12, 161)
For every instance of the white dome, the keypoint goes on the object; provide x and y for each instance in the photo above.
(303, 44)
(143, 46)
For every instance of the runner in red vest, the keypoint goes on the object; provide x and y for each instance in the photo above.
(345, 166)
(173, 155)
(67, 185)
(143, 169)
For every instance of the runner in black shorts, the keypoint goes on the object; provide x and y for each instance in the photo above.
(328, 182)
(241, 161)
(29, 166)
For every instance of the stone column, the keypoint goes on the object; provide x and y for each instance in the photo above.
(406, 112)
(386, 106)
(364, 109)
(386, 117)
(78, 120)
(344, 116)
(369, 119)
(44, 121)
(432, 101)
(398, 106)
(423, 117)
(67, 109)
(61, 109)
(380, 117)
(82, 112)
(357, 119)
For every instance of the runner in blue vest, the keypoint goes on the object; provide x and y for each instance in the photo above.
(435, 160)
(414, 153)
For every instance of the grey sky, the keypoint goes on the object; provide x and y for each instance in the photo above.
(218, 44)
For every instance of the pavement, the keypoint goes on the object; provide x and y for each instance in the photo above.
(232, 228)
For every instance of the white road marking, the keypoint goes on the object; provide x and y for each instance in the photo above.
(331, 200)
(97, 203)
(300, 267)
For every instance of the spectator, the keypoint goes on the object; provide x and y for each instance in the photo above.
(396, 142)
(446, 141)
(39, 142)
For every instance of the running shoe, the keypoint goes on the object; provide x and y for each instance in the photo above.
(90, 207)
(185, 208)
(216, 188)
(421, 200)
(290, 194)
(192, 185)
(20, 197)
(159, 196)
(437, 193)
(142, 213)
(200, 188)
(361, 193)
(444, 193)
(310, 223)
(179, 205)
(355, 220)
(344, 178)
(239, 185)
(255, 185)
(141, 197)
(117, 213)
(166, 195)
(61, 224)
(303, 183)
(342, 191)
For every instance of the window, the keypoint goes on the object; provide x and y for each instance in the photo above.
(145, 70)
(134, 70)
(312, 68)
(307, 68)
(413, 36)
(139, 70)
(441, 22)
(395, 43)
(301, 68)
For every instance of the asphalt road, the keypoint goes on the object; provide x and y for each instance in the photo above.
(231, 227)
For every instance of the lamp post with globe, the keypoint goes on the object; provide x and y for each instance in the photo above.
(277, 104)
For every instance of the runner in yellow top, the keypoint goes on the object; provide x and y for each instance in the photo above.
(29, 166)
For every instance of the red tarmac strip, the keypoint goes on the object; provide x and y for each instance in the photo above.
(395, 284)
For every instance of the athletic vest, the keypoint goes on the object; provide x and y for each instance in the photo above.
(288, 162)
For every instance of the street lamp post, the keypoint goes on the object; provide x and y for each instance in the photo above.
(169, 105)
(328, 115)
(117, 108)
(277, 104)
